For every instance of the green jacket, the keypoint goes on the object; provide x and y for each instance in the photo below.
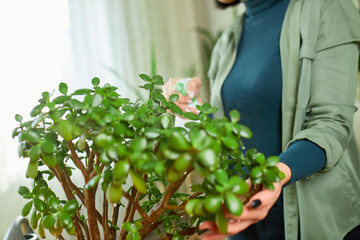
(319, 47)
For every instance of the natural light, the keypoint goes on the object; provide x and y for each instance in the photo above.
(31, 46)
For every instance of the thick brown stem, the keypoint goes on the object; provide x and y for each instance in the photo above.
(136, 205)
(91, 212)
(64, 183)
(77, 160)
(254, 188)
(91, 158)
(127, 213)
(61, 237)
(114, 219)
(161, 206)
(105, 217)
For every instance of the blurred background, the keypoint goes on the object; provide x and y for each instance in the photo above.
(45, 42)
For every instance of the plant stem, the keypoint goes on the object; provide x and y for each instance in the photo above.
(160, 207)
(77, 160)
(127, 213)
(114, 219)
(91, 212)
(64, 183)
(136, 204)
(105, 217)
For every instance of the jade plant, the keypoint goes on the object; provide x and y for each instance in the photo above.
(135, 161)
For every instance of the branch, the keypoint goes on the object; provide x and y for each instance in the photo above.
(64, 183)
(105, 217)
(127, 213)
(160, 207)
(114, 219)
(136, 204)
(91, 157)
(77, 160)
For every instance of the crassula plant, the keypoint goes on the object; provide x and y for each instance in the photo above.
(131, 154)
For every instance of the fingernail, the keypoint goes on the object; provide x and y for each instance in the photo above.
(191, 94)
(187, 110)
(255, 204)
(190, 101)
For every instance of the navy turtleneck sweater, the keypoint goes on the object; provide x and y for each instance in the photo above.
(254, 85)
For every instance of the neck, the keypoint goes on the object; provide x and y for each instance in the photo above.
(254, 7)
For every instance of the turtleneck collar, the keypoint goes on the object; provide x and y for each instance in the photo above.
(254, 7)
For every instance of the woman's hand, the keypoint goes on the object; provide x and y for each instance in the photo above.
(192, 90)
(255, 211)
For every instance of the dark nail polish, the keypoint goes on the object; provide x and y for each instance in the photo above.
(255, 204)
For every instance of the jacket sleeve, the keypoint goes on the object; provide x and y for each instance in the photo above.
(329, 115)
(333, 77)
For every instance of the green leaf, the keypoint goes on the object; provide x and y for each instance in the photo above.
(178, 142)
(60, 99)
(191, 116)
(213, 203)
(49, 159)
(113, 193)
(158, 80)
(245, 132)
(239, 186)
(152, 133)
(145, 77)
(233, 204)
(272, 161)
(48, 147)
(190, 205)
(34, 153)
(256, 172)
(183, 162)
(138, 181)
(97, 100)
(101, 140)
(33, 136)
(48, 221)
(40, 205)
(37, 110)
(173, 97)
(54, 202)
(234, 116)
(33, 219)
(92, 182)
(83, 91)
(208, 159)
(18, 118)
(165, 121)
(22, 190)
(139, 144)
(271, 175)
(76, 104)
(65, 219)
(230, 143)
(197, 137)
(221, 221)
(32, 169)
(64, 128)
(260, 158)
(63, 88)
(26, 208)
(175, 109)
(95, 81)
(121, 170)
(71, 206)
(211, 129)
(221, 176)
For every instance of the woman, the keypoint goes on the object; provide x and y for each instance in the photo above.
(290, 68)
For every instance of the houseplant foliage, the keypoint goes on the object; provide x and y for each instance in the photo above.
(116, 143)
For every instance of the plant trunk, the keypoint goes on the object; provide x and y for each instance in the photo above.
(91, 211)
